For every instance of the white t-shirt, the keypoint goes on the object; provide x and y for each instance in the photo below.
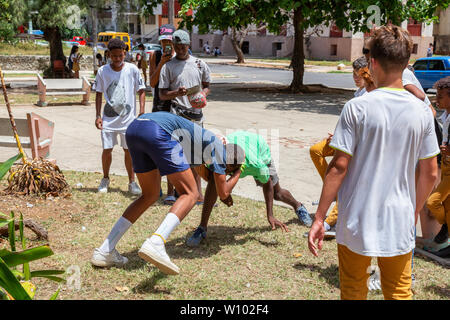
(188, 73)
(386, 131)
(360, 92)
(119, 89)
(408, 77)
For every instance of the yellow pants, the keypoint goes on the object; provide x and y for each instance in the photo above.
(395, 275)
(318, 153)
(439, 201)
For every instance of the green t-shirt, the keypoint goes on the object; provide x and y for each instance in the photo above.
(257, 154)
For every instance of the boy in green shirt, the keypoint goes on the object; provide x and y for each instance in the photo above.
(258, 164)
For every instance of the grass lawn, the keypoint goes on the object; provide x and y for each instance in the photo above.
(242, 258)
(19, 75)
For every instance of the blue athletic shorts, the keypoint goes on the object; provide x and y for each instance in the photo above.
(151, 147)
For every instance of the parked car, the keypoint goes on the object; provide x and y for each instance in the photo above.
(149, 47)
(79, 40)
(430, 70)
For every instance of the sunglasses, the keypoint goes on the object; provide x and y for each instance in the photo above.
(365, 51)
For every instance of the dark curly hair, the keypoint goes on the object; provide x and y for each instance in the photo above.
(116, 43)
(443, 84)
(359, 63)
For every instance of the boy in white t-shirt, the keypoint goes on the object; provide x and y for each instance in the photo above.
(118, 82)
(380, 138)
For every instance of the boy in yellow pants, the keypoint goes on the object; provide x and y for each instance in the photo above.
(378, 198)
(439, 201)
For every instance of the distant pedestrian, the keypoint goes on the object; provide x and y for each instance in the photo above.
(430, 50)
(142, 61)
(128, 55)
(74, 61)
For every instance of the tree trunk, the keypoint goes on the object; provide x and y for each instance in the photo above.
(236, 46)
(53, 36)
(94, 37)
(30, 224)
(298, 56)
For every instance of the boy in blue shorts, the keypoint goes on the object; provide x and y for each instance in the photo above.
(161, 144)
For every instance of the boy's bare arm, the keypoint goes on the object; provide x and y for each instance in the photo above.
(98, 110)
(141, 94)
(428, 169)
(415, 91)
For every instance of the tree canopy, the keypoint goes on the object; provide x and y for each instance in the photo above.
(351, 15)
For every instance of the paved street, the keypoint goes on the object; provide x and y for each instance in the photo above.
(235, 74)
(239, 74)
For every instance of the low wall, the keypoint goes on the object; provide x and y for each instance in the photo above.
(35, 62)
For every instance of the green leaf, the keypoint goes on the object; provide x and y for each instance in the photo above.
(5, 166)
(26, 266)
(53, 278)
(55, 295)
(4, 222)
(19, 275)
(16, 258)
(43, 273)
(9, 282)
(12, 233)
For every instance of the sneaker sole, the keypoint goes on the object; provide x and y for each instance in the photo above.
(158, 262)
(104, 264)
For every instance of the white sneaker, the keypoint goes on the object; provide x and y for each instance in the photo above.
(156, 254)
(104, 184)
(134, 188)
(103, 259)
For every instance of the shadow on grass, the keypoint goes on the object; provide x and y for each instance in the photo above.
(218, 236)
(441, 291)
(148, 285)
(330, 274)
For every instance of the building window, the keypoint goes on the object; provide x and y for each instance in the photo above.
(415, 48)
(333, 50)
(131, 28)
(245, 47)
(200, 43)
(150, 20)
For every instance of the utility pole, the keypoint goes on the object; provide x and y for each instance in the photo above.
(171, 12)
